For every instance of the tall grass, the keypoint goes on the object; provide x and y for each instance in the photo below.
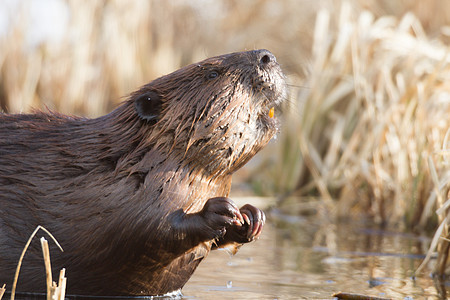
(110, 48)
(376, 109)
(374, 134)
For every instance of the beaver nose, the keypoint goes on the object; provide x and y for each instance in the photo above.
(265, 57)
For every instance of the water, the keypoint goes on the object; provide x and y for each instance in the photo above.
(303, 259)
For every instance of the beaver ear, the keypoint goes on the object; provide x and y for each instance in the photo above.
(148, 106)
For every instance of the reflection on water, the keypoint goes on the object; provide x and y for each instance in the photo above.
(305, 260)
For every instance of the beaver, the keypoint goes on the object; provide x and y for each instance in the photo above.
(138, 197)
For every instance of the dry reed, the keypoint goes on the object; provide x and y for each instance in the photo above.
(2, 291)
(441, 239)
(376, 108)
(374, 137)
(55, 291)
(50, 288)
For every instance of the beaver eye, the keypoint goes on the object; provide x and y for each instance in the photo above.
(213, 74)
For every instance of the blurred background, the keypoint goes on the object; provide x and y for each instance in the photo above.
(365, 132)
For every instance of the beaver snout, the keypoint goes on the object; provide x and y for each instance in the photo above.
(265, 57)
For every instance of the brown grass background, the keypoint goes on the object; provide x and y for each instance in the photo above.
(367, 126)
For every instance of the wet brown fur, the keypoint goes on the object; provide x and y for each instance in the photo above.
(115, 190)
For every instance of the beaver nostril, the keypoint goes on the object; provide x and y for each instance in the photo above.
(265, 59)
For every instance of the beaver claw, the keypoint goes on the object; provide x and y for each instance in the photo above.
(231, 224)
(254, 222)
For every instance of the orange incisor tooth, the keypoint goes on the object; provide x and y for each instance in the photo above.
(271, 112)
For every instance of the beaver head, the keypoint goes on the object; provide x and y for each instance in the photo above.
(217, 113)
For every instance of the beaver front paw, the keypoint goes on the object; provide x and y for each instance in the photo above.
(218, 215)
(245, 232)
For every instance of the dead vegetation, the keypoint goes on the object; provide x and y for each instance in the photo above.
(374, 136)
(375, 115)
(55, 291)
(2, 291)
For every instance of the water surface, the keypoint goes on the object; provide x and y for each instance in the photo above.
(299, 258)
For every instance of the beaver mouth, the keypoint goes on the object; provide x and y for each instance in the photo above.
(270, 99)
